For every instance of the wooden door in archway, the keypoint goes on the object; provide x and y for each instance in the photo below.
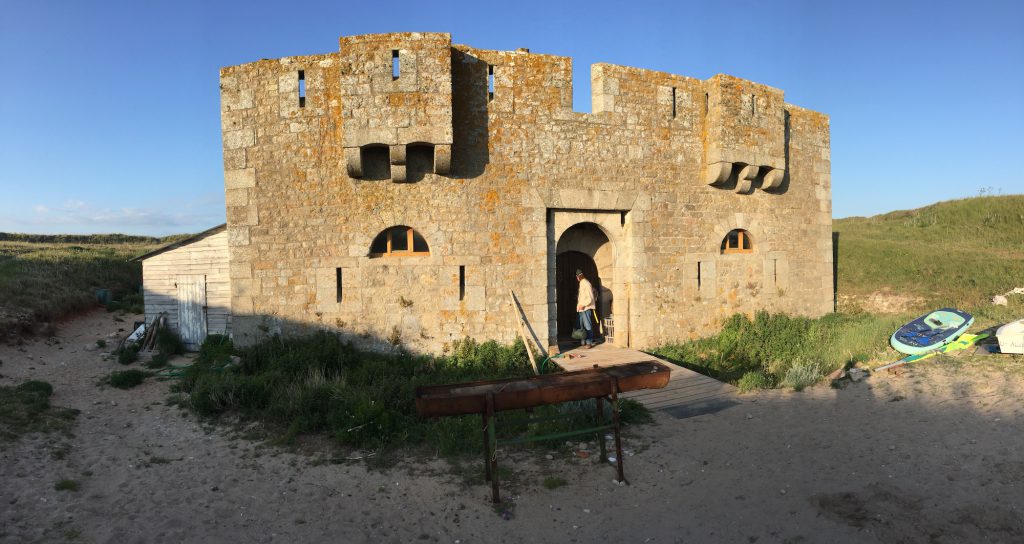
(566, 287)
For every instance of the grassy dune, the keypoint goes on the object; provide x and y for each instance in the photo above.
(958, 253)
(44, 278)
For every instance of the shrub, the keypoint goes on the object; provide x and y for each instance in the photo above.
(101, 343)
(67, 485)
(754, 380)
(168, 342)
(128, 354)
(26, 409)
(126, 379)
(159, 360)
(771, 344)
(321, 384)
(554, 482)
(801, 375)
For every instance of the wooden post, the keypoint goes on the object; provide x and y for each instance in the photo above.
(522, 332)
(600, 435)
(615, 420)
(492, 442)
(487, 447)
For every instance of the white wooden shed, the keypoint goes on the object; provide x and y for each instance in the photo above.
(188, 280)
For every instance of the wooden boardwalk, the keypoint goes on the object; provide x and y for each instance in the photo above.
(687, 394)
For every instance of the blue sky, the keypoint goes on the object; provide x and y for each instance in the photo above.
(110, 110)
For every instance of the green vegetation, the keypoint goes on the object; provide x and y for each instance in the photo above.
(958, 253)
(126, 379)
(320, 384)
(43, 278)
(26, 409)
(776, 349)
(128, 354)
(67, 485)
(554, 482)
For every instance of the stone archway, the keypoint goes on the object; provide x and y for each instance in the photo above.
(583, 246)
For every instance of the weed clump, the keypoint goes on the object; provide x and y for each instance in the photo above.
(554, 482)
(67, 485)
(777, 349)
(128, 354)
(754, 380)
(126, 379)
(361, 399)
(26, 409)
(168, 342)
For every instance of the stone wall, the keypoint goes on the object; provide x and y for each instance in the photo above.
(665, 167)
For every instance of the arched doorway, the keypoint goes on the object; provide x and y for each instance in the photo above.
(585, 247)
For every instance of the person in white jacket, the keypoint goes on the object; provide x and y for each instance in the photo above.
(585, 304)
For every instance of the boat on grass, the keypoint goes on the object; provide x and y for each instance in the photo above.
(931, 331)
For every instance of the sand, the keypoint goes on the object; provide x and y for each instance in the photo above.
(934, 454)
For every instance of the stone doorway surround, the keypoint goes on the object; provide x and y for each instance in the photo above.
(613, 225)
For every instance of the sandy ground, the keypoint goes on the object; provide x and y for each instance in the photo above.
(935, 454)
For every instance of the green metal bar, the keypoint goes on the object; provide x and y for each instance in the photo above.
(527, 421)
(540, 438)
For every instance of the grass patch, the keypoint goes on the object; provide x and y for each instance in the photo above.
(160, 360)
(126, 379)
(365, 400)
(957, 253)
(554, 482)
(67, 485)
(128, 354)
(44, 277)
(26, 409)
(773, 349)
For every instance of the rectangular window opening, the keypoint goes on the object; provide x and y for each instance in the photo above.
(396, 68)
(302, 88)
(490, 82)
(673, 102)
(707, 103)
(337, 281)
(462, 282)
(698, 275)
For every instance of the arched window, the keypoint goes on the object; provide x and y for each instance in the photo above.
(737, 241)
(399, 241)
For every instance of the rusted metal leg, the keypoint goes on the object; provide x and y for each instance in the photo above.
(487, 448)
(492, 442)
(600, 435)
(615, 422)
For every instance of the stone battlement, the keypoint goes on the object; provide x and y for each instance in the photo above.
(486, 155)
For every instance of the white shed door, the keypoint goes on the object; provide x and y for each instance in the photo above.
(192, 309)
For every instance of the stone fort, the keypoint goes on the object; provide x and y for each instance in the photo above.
(399, 188)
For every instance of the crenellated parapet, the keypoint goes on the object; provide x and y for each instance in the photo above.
(397, 92)
(745, 134)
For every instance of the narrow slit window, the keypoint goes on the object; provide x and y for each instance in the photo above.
(673, 102)
(396, 67)
(753, 104)
(337, 281)
(698, 275)
(462, 282)
(490, 82)
(707, 103)
(302, 88)
(775, 272)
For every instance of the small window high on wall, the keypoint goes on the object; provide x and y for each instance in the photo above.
(400, 241)
(737, 241)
